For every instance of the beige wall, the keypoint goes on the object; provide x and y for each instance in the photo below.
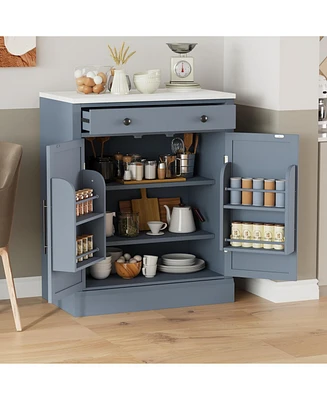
(304, 123)
(22, 126)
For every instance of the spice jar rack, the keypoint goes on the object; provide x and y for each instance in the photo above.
(64, 207)
(273, 215)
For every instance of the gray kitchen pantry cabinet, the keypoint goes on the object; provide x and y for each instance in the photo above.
(146, 124)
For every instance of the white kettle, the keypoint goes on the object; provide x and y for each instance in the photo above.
(181, 220)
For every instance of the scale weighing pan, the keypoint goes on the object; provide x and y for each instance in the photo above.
(181, 48)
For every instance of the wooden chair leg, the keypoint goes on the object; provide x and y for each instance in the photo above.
(11, 287)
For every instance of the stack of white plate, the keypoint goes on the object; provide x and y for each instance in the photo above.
(102, 269)
(180, 263)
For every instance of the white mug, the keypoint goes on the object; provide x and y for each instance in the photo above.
(150, 260)
(127, 175)
(156, 226)
(110, 229)
(149, 271)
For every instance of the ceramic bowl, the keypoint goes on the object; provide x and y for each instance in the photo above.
(146, 86)
(100, 271)
(128, 270)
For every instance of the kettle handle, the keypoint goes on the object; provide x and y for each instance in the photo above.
(168, 213)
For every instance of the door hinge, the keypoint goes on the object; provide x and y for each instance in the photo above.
(44, 226)
(225, 159)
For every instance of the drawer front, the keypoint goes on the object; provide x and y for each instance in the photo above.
(146, 120)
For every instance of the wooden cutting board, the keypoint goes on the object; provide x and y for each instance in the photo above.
(170, 202)
(148, 209)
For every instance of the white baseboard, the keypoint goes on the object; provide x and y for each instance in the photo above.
(25, 287)
(281, 292)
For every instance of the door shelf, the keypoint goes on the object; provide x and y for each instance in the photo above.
(252, 250)
(228, 189)
(143, 238)
(66, 226)
(83, 219)
(195, 181)
(253, 208)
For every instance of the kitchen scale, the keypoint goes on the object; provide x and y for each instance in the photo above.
(181, 68)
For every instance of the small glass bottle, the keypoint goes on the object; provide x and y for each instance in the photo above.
(119, 165)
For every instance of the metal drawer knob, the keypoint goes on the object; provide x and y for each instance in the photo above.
(127, 121)
(204, 118)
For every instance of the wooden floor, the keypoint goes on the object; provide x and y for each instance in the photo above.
(251, 330)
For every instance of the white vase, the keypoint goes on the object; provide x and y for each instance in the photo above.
(119, 83)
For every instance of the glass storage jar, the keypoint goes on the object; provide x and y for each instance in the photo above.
(92, 79)
(128, 224)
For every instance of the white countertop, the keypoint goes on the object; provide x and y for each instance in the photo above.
(134, 96)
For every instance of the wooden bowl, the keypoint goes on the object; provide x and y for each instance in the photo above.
(128, 270)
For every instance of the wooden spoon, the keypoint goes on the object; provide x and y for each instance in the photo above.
(196, 142)
(188, 140)
(102, 140)
(91, 139)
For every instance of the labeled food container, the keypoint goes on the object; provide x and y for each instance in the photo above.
(128, 224)
(92, 79)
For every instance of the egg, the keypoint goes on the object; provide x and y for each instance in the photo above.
(80, 88)
(97, 79)
(89, 82)
(78, 73)
(103, 76)
(87, 89)
(95, 73)
(80, 81)
(127, 256)
(132, 261)
(121, 260)
(138, 258)
(98, 88)
(90, 74)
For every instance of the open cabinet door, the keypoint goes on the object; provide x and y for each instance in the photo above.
(64, 161)
(268, 156)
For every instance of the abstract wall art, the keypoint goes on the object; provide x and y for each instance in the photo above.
(17, 51)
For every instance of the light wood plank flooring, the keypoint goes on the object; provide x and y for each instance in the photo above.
(251, 330)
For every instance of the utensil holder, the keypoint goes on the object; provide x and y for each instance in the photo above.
(187, 162)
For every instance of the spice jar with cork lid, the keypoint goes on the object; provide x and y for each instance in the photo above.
(161, 170)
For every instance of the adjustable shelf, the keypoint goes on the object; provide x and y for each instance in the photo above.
(83, 219)
(253, 208)
(253, 249)
(143, 238)
(195, 181)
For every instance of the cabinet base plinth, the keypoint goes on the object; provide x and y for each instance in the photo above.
(144, 298)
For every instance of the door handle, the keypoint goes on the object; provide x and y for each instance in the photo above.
(204, 118)
(127, 121)
(44, 226)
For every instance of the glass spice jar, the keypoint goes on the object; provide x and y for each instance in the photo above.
(81, 205)
(77, 205)
(86, 203)
(128, 224)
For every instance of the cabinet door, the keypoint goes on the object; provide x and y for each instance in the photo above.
(268, 156)
(65, 161)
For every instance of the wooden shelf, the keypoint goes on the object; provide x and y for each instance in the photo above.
(195, 181)
(115, 281)
(143, 238)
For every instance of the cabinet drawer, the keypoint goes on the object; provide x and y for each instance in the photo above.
(146, 120)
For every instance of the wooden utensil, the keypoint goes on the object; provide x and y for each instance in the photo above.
(102, 140)
(170, 202)
(125, 206)
(196, 142)
(91, 139)
(147, 208)
(188, 140)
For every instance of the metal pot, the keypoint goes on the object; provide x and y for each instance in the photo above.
(105, 166)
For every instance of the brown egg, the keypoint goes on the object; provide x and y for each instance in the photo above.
(89, 82)
(80, 88)
(87, 89)
(98, 88)
(80, 81)
(103, 76)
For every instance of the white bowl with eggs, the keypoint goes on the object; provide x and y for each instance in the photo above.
(92, 79)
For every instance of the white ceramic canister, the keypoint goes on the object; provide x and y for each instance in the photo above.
(247, 230)
(257, 234)
(236, 233)
(268, 234)
(279, 236)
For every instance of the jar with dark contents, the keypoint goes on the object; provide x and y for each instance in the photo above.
(119, 165)
(128, 224)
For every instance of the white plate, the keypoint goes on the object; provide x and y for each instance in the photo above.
(174, 269)
(178, 259)
(155, 234)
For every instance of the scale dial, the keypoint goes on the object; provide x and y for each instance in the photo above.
(183, 69)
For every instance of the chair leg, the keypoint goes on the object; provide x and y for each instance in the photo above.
(11, 287)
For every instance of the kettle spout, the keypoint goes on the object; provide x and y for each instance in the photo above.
(168, 213)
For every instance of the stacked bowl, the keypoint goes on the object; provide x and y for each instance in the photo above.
(147, 82)
(102, 269)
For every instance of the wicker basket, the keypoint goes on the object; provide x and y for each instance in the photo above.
(128, 270)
